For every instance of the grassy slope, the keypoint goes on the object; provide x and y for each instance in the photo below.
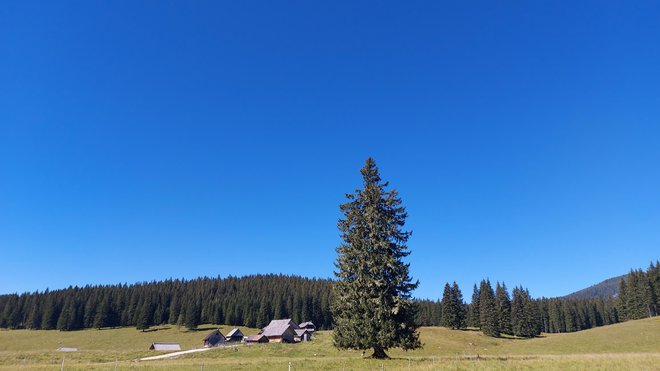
(631, 345)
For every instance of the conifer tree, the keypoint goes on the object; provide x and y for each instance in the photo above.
(448, 314)
(372, 306)
(525, 314)
(487, 310)
(102, 316)
(474, 317)
(459, 307)
(503, 304)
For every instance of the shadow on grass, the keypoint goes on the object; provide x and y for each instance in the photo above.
(157, 329)
(208, 328)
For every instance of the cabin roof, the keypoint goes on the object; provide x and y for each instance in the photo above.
(165, 346)
(212, 333)
(234, 332)
(279, 327)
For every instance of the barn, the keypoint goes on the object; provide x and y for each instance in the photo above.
(214, 339)
(164, 346)
(280, 331)
(235, 335)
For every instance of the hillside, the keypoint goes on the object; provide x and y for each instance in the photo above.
(629, 345)
(606, 289)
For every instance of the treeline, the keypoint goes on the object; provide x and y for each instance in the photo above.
(639, 293)
(246, 301)
(496, 312)
(255, 300)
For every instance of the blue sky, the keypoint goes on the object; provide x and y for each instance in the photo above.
(147, 140)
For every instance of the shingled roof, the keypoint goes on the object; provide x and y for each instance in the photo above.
(233, 332)
(279, 327)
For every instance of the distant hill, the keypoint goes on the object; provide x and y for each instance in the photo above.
(606, 289)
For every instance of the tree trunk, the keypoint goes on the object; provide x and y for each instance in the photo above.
(379, 353)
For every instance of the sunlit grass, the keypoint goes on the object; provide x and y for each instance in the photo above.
(630, 345)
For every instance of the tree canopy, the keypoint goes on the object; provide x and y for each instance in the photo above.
(372, 304)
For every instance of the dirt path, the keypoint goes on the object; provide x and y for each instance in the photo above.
(175, 354)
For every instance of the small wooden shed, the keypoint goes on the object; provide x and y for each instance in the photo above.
(214, 339)
(234, 335)
(302, 335)
(309, 325)
(164, 346)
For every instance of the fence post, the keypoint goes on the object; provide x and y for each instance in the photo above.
(289, 366)
(115, 364)
(62, 368)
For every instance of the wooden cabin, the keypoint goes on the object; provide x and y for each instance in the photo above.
(309, 326)
(164, 346)
(302, 334)
(234, 335)
(280, 331)
(214, 339)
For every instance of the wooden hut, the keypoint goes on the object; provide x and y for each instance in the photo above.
(309, 325)
(164, 346)
(234, 335)
(280, 331)
(214, 339)
(302, 334)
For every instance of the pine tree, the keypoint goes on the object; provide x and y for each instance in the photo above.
(448, 314)
(372, 306)
(102, 316)
(487, 310)
(142, 322)
(474, 317)
(503, 304)
(458, 307)
(525, 315)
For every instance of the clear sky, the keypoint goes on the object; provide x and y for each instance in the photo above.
(142, 140)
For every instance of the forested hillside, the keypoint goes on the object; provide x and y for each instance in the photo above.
(606, 289)
(251, 301)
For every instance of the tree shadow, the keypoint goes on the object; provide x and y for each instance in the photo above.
(207, 328)
(157, 329)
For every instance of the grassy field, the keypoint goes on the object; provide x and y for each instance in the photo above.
(632, 345)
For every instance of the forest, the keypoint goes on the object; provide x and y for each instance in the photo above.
(254, 300)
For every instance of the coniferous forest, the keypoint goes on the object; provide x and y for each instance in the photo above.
(250, 301)
(254, 300)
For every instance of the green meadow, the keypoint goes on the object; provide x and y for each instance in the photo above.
(633, 345)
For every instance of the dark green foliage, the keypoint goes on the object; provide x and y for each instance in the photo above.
(525, 314)
(205, 300)
(474, 317)
(143, 317)
(372, 304)
(488, 310)
(638, 293)
(453, 307)
(604, 290)
(503, 304)
(429, 313)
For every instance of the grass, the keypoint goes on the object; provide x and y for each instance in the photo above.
(630, 345)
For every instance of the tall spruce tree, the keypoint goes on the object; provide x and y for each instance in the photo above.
(503, 304)
(458, 307)
(448, 313)
(372, 306)
(488, 310)
(474, 317)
